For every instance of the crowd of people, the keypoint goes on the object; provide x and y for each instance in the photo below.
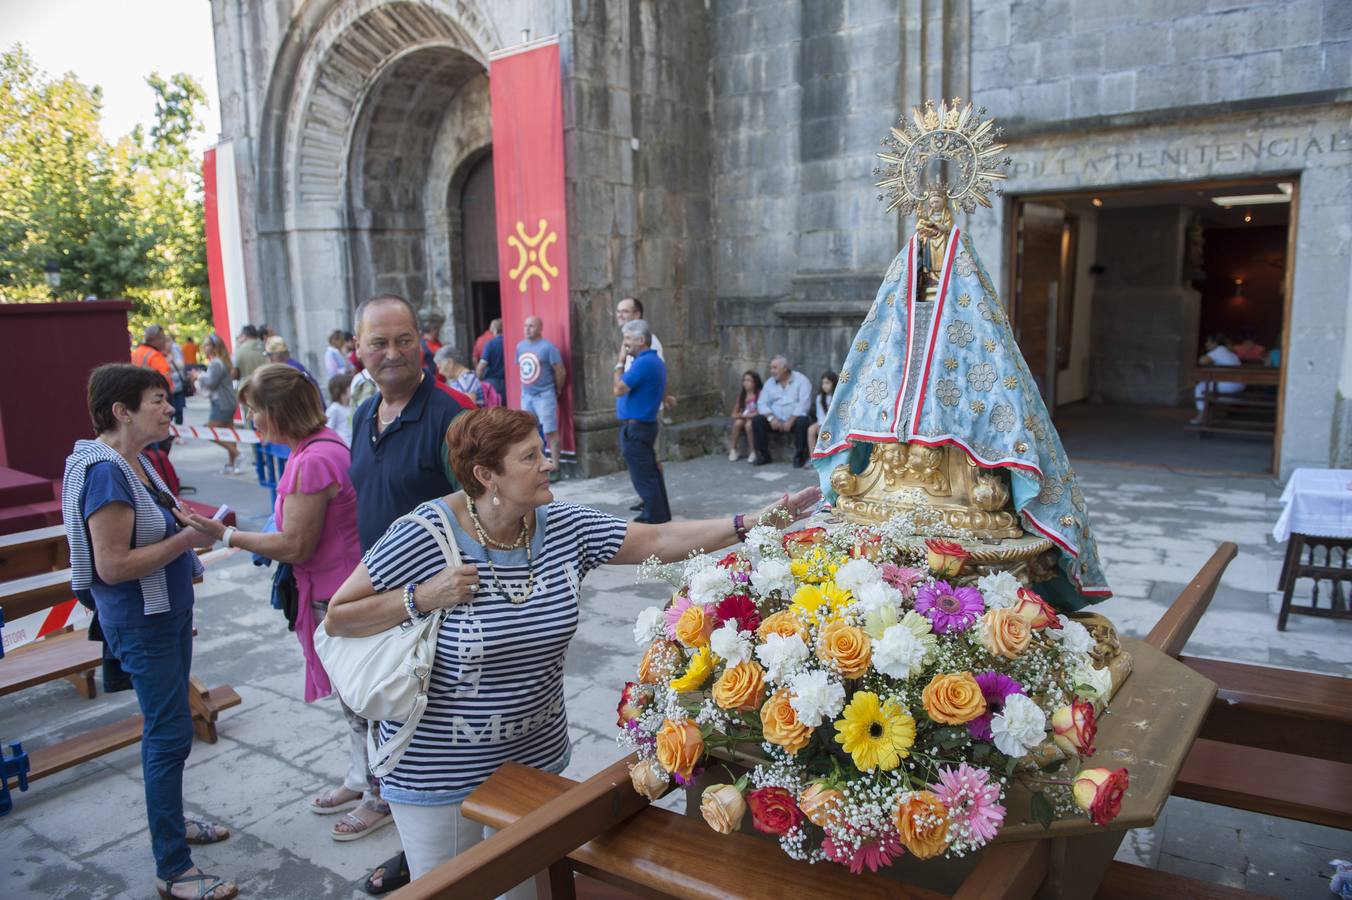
(480, 476)
(785, 403)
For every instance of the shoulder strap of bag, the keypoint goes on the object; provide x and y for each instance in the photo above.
(383, 757)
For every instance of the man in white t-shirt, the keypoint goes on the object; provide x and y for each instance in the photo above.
(627, 310)
(1218, 353)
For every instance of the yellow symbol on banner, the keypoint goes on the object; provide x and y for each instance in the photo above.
(531, 255)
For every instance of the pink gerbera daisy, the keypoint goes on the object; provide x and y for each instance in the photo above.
(903, 578)
(973, 802)
(995, 687)
(679, 604)
(857, 852)
(949, 608)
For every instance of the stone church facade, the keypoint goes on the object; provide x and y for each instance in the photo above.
(719, 157)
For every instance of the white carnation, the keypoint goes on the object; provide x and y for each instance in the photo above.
(763, 542)
(781, 655)
(649, 626)
(900, 653)
(1072, 636)
(730, 644)
(1021, 726)
(815, 696)
(1000, 589)
(772, 575)
(709, 584)
(877, 597)
(857, 573)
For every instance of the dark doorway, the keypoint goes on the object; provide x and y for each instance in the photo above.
(479, 240)
(1112, 294)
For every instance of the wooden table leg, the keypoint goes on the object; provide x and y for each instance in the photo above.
(84, 683)
(1293, 550)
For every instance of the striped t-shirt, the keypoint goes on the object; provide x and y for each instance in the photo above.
(496, 693)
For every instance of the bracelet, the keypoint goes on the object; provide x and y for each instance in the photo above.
(409, 606)
(739, 526)
(229, 534)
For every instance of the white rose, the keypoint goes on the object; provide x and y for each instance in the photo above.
(1098, 681)
(781, 655)
(649, 626)
(1072, 636)
(1020, 727)
(857, 573)
(730, 644)
(815, 696)
(709, 584)
(1000, 589)
(899, 654)
(772, 575)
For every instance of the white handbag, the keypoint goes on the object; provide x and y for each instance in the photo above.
(385, 676)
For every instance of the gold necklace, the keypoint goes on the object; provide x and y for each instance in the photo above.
(523, 539)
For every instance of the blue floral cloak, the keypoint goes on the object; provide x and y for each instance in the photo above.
(950, 372)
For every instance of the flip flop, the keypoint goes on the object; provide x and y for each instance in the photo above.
(205, 885)
(324, 804)
(207, 832)
(362, 830)
(393, 875)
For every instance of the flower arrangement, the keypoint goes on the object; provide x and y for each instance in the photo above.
(885, 702)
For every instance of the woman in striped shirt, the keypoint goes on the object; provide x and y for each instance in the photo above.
(512, 608)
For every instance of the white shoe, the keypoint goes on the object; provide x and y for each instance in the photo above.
(751, 459)
(732, 456)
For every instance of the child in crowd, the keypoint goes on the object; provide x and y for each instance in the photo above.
(742, 414)
(827, 389)
(340, 409)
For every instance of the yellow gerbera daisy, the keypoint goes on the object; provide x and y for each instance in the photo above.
(820, 602)
(700, 668)
(877, 735)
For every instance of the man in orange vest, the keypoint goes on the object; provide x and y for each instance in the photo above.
(150, 354)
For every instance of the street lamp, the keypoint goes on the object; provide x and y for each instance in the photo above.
(52, 272)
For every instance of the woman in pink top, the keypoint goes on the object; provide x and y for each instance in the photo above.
(316, 516)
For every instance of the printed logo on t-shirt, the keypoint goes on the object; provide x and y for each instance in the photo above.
(530, 367)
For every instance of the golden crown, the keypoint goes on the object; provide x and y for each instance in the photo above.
(952, 133)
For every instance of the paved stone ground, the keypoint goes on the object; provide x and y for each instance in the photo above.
(82, 834)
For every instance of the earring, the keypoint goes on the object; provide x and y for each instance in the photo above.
(496, 501)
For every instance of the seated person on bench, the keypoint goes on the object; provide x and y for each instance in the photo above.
(1218, 353)
(130, 552)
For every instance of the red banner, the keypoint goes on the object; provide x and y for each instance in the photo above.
(525, 92)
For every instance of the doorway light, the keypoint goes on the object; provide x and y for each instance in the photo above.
(1254, 199)
(1248, 217)
(1097, 201)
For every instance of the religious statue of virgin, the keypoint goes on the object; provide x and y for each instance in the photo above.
(935, 400)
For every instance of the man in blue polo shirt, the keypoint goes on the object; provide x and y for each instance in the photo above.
(638, 397)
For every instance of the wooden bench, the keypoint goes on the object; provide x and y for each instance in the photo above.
(1257, 409)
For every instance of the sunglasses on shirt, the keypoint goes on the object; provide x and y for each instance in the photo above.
(165, 499)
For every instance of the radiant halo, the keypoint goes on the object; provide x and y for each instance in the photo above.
(952, 134)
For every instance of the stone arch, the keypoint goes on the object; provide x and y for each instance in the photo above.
(344, 65)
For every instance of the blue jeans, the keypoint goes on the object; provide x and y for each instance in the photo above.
(636, 444)
(158, 656)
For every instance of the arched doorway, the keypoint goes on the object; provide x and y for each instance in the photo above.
(479, 247)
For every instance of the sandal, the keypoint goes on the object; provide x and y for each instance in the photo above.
(206, 887)
(393, 874)
(327, 804)
(204, 832)
(356, 827)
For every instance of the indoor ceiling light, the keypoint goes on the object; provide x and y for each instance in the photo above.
(1251, 199)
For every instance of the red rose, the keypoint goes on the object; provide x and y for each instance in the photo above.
(1038, 613)
(804, 537)
(773, 810)
(1099, 793)
(739, 608)
(867, 547)
(1074, 727)
(633, 700)
(946, 558)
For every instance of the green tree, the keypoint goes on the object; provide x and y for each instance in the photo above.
(121, 219)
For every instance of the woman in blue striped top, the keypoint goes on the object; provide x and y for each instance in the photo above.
(512, 607)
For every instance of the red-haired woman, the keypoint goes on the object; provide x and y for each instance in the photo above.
(512, 608)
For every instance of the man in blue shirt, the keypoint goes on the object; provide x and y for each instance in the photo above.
(638, 397)
(492, 365)
(783, 404)
(542, 374)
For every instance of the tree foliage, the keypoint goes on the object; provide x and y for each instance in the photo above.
(122, 219)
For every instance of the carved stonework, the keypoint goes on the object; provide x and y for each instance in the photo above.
(956, 491)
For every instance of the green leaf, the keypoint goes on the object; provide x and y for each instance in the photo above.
(1041, 810)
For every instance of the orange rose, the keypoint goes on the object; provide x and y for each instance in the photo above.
(679, 747)
(818, 802)
(1005, 633)
(953, 699)
(694, 627)
(659, 662)
(1038, 613)
(740, 687)
(783, 623)
(922, 824)
(780, 725)
(649, 779)
(946, 558)
(804, 538)
(845, 645)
